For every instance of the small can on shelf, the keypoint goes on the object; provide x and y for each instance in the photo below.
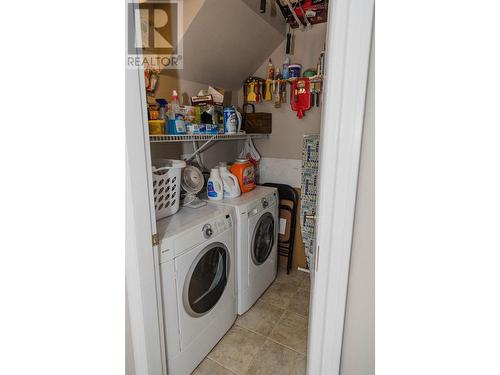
(156, 127)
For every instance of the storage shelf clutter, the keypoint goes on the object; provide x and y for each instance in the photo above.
(202, 137)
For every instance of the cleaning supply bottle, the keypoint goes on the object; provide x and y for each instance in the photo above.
(173, 105)
(270, 70)
(215, 187)
(163, 108)
(286, 63)
(175, 97)
(230, 182)
(176, 124)
(245, 173)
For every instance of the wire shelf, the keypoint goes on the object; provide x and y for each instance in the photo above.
(202, 137)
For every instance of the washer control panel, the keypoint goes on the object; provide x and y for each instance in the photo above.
(217, 226)
(199, 234)
(207, 231)
(263, 204)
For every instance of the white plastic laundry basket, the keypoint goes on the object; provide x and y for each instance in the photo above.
(167, 186)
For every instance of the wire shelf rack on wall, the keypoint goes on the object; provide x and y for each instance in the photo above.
(202, 137)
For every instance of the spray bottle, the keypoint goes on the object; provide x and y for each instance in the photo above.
(174, 126)
(175, 97)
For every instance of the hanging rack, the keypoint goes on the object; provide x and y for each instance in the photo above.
(308, 24)
(292, 10)
(308, 13)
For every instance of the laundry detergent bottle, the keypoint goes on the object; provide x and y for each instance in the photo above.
(215, 187)
(244, 171)
(230, 182)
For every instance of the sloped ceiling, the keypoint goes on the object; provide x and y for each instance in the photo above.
(227, 41)
(272, 15)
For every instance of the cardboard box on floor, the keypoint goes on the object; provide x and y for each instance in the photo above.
(299, 257)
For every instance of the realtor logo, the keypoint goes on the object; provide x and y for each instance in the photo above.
(153, 34)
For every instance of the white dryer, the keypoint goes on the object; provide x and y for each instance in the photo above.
(257, 218)
(197, 264)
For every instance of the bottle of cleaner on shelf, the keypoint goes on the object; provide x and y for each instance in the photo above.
(270, 70)
(286, 63)
(215, 187)
(176, 124)
(230, 182)
(175, 97)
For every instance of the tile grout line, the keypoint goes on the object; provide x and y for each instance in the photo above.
(257, 352)
(279, 307)
(281, 282)
(221, 365)
(287, 347)
(298, 313)
(265, 338)
(251, 330)
(268, 337)
(267, 303)
(279, 320)
(272, 330)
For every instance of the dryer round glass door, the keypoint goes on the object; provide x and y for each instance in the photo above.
(263, 238)
(206, 280)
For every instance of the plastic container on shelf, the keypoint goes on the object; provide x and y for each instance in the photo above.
(167, 186)
(156, 127)
(294, 70)
(182, 116)
(196, 128)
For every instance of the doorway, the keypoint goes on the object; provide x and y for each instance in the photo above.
(280, 292)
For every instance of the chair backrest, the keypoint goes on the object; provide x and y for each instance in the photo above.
(286, 192)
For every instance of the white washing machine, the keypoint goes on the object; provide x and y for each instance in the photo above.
(257, 218)
(197, 264)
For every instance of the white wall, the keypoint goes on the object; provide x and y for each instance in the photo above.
(358, 349)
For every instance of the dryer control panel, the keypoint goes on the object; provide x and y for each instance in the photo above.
(262, 204)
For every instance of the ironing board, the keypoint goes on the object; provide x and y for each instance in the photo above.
(309, 189)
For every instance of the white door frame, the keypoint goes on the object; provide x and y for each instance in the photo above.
(348, 53)
(141, 256)
(347, 60)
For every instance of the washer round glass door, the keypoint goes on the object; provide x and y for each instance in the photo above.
(263, 238)
(206, 280)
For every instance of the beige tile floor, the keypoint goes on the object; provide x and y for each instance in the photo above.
(271, 337)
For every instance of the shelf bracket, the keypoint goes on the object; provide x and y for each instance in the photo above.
(202, 148)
